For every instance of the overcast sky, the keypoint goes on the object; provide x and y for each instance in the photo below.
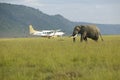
(95, 11)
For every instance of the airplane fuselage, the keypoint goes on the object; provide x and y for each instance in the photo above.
(45, 33)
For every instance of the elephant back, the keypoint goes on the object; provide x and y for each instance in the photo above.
(92, 28)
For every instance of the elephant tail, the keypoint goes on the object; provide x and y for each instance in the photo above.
(101, 36)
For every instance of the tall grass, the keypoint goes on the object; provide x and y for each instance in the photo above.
(59, 59)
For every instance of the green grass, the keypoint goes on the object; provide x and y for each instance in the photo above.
(59, 59)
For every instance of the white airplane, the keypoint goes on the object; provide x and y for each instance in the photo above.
(45, 33)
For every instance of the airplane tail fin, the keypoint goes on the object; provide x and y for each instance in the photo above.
(31, 30)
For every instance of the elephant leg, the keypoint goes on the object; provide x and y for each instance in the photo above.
(96, 37)
(85, 39)
(81, 38)
(96, 40)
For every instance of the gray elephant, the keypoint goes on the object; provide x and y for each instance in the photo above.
(87, 31)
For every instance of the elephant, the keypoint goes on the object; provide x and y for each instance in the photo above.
(87, 31)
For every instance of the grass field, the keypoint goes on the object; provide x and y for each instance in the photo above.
(59, 59)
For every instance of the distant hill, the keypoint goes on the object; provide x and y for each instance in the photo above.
(15, 19)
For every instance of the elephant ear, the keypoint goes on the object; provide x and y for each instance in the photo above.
(82, 27)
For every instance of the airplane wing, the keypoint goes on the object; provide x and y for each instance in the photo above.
(56, 30)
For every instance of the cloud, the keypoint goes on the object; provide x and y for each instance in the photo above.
(80, 1)
(89, 13)
(31, 3)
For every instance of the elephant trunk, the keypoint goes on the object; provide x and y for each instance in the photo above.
(74, 37)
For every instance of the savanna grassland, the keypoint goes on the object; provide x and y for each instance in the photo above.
(59, 59)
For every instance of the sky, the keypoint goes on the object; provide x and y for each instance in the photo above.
(93, 11)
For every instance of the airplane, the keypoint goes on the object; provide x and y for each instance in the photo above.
(45, 33)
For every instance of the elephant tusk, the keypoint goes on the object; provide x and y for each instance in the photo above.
(74, 36)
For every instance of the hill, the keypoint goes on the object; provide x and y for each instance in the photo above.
(14, 21)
